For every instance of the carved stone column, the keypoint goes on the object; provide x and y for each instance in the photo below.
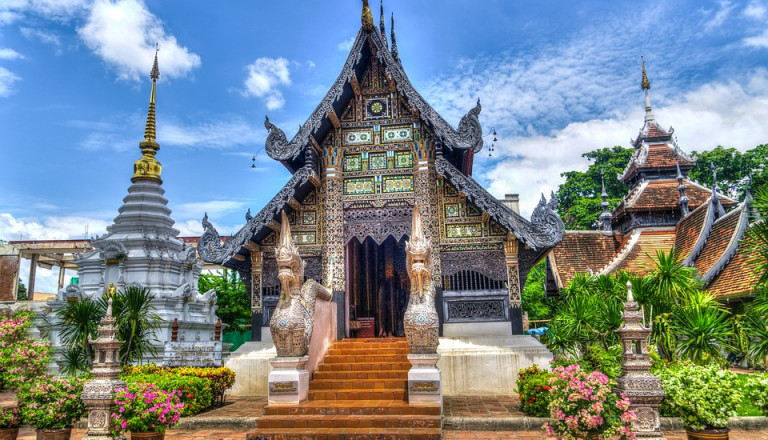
(98, 393)
(257, 268)
(332, 224)
(642, 388)
(513, 284)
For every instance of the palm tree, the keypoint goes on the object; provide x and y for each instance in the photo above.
(670, 278)
(136, 322)
(702, 328)
(79, 321)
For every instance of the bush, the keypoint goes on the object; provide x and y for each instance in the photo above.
(757, 392)
(9, 417)
(222, 378)
(142, 407)
(195, 392)
(533, 388)
(605, 361)
(584, 406)
(703, 397)
(21, 358)
(52, 402)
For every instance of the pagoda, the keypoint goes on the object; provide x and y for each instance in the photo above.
(371, 150)
(141, 248)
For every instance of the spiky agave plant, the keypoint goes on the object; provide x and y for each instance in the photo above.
(78, 321)
(137, 323)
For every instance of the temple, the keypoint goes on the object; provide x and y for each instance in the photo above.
(663, 210)
(371, 150)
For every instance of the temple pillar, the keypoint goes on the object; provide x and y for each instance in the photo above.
(257, 267)
(32, 272)
(332, 224)
(62, 272)
(425, 195)
(513, 282)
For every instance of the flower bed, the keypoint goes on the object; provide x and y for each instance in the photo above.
(221, 378)
(52, 402)
(21, 358)
(533, 388)
(195, 392)
(9, 417)
(143, 407)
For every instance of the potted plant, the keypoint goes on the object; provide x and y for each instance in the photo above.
(9, 422)
(584, 406)
(146, 411)
(703, 397)
(52, 405)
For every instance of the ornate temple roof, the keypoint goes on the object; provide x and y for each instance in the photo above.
(663, 194)
(582, 252)
(458, 144)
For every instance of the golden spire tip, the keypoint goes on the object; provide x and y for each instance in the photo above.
(645, 84)
(366, 17)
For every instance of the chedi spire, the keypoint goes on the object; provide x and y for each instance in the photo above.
(147, 167)
(605, 217)
(366, 17)
(646, 86)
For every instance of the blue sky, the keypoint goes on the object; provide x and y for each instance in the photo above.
(555, 78)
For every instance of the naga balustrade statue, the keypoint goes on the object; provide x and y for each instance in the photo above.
(292, 321)
(420, 320)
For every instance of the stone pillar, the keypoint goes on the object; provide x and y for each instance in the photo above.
(257, 312)
(98, 393)
(642, 388)
(288, 380)
(332, 224)
(425, 195)
(513, 283)
(424, 380)
(62, 272)
(31, 281)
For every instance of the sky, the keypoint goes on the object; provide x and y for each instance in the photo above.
(556, 79)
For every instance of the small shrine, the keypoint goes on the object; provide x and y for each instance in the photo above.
(141, 248)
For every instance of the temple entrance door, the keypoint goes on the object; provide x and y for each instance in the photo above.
(377, 286)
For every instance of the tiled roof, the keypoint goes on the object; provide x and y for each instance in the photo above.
(738, 278)
(663, 194)
(638, 259)
(689, 230)
(582, 251)
(722, 233)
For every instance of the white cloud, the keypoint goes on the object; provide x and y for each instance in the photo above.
(346, 45)
(61, 10)
(124, 33)
(9, 54)
(729, 113)
(264, 77)
(720, 16)
(755, 11)
(7, 78)
(50, 228)
(758, 41)
(42, 35)
(222, 133)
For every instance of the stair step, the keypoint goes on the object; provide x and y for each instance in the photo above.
(366, 384)
(361, 375)
(350, 421)
(373, 341)
(363, 358)
(346, 434)
(353, 407)
(358, 394)
(362, 366)
(354, 350)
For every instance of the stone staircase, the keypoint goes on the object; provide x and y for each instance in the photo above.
(358, 392)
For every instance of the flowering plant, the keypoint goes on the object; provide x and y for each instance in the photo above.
(21, 357)
(9, 417)
(703, 397)
(533, 389)
(194, 392)
(143, 407)
(52, 402)
(584, 406)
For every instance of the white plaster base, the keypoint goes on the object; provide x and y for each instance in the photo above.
(424, 381)
(459, 329)
(487, 365)
(288, 380)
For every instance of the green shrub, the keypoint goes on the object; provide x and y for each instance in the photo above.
(222, 378)
(605, 361)
(21, 357)
(703, 397)
(757, 392)
(52, 402)
(196, 394)
(533, 388)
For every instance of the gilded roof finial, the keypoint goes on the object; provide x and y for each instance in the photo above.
(382, 29)
(395, 55)
(366, 17)
(605, 217)
(147, 167)
(645, 84)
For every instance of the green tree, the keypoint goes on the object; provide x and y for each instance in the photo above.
(534, 297)
(731, 166)
(579, 196)
(21, 291)
(234, 303)
(78, 323)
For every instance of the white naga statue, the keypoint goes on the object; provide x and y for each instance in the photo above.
(420, 321)
(291, 323)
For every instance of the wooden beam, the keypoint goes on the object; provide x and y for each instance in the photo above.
(334, 118)
(355, 84)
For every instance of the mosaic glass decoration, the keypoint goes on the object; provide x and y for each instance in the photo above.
(395, 184)
(496, 228)
(473, 210)
(449, 190)
(453, 210)
(353, 162)
(310, 199)
(360, 185)
(308, 218)
(403, 159)
(377, 161)
(376, 108)
(358, 137)
(464, 231)
(304, 237)
(397, 134)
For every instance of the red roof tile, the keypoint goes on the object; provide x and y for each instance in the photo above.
(582, 251)
(638, 260)
(689, 230)
(722, 233)
(663, 194)
(738, 278)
